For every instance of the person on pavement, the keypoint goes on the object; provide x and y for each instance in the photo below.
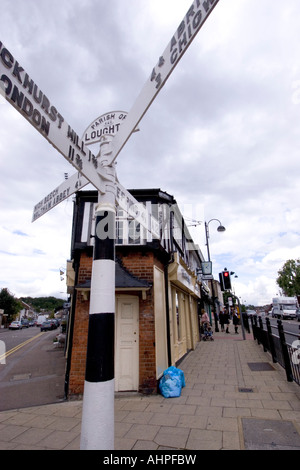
(222, 319)
(235, 321)
(227, 320)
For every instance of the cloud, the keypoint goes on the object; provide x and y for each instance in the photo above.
(20, 233)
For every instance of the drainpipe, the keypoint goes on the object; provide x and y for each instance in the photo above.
(167, 311)
(166, 272)
(70, 334)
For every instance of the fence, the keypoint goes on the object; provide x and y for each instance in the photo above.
(273, 339)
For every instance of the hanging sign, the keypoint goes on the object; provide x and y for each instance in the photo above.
(206, 267)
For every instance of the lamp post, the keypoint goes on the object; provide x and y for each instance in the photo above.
(220, 228)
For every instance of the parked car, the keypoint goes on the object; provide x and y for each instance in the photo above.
(298, 314)
(251, 312)
(15, 325)
(25, 323)
(53, 323)
(46, 326)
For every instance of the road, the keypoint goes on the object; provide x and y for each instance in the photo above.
(291, 328)
(32, 371)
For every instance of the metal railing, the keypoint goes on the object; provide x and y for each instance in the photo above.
(273, 338)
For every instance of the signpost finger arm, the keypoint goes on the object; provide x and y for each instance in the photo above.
(181, 40)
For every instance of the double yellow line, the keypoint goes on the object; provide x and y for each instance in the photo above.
(19, 346)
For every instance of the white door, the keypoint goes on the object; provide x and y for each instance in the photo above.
(127, 344)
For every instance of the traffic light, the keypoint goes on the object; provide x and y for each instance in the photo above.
(225, 281)
(221, 281)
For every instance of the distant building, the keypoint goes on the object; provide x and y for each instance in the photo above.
(26, 312)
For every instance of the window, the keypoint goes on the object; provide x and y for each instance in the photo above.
(120, 228)
(178, 319)
(134, 233)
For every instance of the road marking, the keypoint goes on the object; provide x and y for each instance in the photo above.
(19, 346)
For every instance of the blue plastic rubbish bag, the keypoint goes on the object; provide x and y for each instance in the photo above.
(171, 383)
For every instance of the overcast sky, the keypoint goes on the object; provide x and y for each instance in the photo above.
(222, 136)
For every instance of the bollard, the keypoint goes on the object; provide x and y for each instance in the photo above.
(261, 333)
(255, 328)
(271, 341)
(285, 353)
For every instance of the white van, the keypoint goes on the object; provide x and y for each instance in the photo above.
(284, 307)
(40, 320)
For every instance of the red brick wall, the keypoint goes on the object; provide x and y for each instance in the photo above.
(85, 269)
(78, 361)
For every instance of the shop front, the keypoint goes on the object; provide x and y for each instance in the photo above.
(184, 291)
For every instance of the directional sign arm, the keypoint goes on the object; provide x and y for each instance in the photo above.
(65, 190)
(124, 200)
(59, 194)
(28, 99)
(137, 211)
(183, 37)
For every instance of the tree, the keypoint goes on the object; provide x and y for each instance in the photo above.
(9, 303)
(289, 278)
(51, 304)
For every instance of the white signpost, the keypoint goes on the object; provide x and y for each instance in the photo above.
(22, 93)
(107, 125)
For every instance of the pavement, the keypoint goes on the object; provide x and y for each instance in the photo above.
(235, 398)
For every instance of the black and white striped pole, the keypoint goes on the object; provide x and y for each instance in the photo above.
(97, 431)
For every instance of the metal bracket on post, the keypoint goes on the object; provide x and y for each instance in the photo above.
(103, 169)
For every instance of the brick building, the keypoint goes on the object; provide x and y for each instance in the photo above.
(158, 292)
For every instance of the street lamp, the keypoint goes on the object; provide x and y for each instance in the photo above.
(220, 228)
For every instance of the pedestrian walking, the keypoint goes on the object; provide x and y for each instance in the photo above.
(235, 321)
(227, 320)
(222, 319)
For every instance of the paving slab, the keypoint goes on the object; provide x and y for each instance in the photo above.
(260, 434)
(226, 405)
